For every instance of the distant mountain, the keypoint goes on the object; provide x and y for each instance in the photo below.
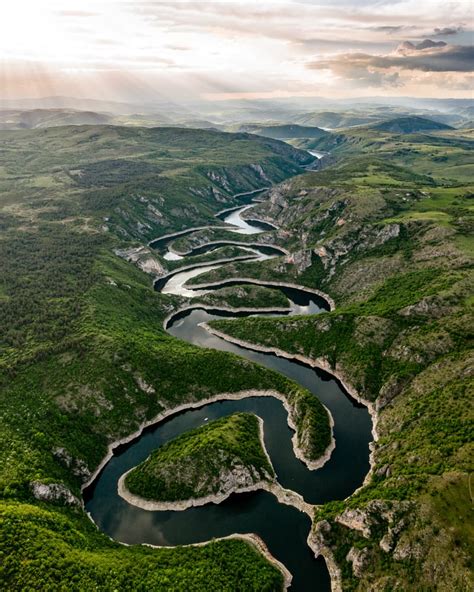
(409, 125)
(74, 103)
(334, 120)
(284, 132)
(39, 118)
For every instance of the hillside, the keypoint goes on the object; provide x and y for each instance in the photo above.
(39, 118)
(284, 132)
(395, 251)
(84, 359)
(410, 125)
(334, 120)
(443, 157)
(216, 459)
(139, 181)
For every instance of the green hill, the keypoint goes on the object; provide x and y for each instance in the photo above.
(144, 181)
(215, 459)
(283, 132)
(410, 125)
(39, 118)
(333, 119)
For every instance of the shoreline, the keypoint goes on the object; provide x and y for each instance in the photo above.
(284, 496)
(251, 538)
(178, 233)
(231, 309)
(192, 267)
(225, 242)
(162, 415)
(316, 292)
(322, 364)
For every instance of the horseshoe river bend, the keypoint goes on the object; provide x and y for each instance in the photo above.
(283, 528)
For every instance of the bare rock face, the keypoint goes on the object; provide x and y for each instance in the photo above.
(407, 550)
(77, 465)
(143, 258)
(356, 520)
(301, 260)
(277, 198)
(219, 179)
(360, 559)
(260, 172)
(319, 546)
(363, 239)
(53, 492)
(377, 513)
(431, 306)
(238, 477)
(144, 386)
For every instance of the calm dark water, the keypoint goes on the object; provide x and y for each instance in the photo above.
(207, 248)
(283, 528)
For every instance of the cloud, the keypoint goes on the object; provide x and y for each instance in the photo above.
(428, 56)
(77, 13)
(275, 46)
(441, 32)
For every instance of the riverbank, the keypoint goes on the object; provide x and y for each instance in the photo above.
(222, 283)
(218, 243)
(313, 363)
(237, 396)
(283, 495)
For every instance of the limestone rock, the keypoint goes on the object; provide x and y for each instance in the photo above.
(77, 465)
(360, 559)
(143, 258)
(53, 492)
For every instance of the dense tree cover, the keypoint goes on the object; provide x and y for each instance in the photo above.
(84, 359)
(44, 548)
(45, 274)
(190, 466)
(397, 257)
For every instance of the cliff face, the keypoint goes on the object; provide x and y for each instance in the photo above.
(400, 272)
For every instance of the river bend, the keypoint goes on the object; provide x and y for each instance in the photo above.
(283, 528)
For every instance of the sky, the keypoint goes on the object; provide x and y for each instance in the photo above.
(140, 50)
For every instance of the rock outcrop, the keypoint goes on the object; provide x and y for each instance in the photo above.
(143, 258)
(53, 492)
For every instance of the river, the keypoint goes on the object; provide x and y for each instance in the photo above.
(283, 528)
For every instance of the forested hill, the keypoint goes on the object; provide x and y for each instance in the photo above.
(285, 131)
(145, 181)
(410, 125)
(84, 359)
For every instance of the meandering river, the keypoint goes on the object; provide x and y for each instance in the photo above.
(283, 528)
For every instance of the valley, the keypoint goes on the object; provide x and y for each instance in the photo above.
(369, 259)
